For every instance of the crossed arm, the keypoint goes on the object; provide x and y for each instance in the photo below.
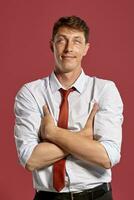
(57, 143)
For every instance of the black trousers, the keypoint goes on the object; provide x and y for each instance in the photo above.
(101, 194)
(106, 196)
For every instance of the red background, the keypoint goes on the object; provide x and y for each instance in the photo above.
(25, 31)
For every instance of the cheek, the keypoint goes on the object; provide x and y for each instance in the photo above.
(57, 52)
(59, 48)
(79, 49)
(80, 53)
(56, 55)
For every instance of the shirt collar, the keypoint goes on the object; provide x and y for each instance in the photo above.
(78, 84)
(54, 83)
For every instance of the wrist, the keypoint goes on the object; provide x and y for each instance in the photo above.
(50, 132)
(85, 132)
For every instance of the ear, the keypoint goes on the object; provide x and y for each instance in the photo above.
(51, 45)
(87, 46)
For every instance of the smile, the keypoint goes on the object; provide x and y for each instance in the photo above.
(67, 57)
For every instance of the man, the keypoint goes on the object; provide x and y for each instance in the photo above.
(68, 125)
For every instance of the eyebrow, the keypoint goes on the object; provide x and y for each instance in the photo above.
(62, 35)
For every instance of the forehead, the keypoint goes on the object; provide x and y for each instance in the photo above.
(69, 32)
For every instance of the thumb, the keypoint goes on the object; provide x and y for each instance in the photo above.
(94, 111)
(92, 115)
(45, 110)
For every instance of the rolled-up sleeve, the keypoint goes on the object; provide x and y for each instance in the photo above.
(27, 124)
(108, 122)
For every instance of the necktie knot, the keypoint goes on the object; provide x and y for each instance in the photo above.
(65, 93)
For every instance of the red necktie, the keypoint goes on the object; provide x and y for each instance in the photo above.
(59, 166)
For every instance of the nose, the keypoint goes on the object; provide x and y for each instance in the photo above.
(68, 47)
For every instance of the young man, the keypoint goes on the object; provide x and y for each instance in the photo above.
(68, 125)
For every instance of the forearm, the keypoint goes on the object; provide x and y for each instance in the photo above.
(45, 154)
(80, 146)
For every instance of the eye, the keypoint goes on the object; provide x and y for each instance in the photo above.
(60, 40)
(76, 41)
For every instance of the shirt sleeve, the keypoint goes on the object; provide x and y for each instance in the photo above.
(27, 124)
(108, 122)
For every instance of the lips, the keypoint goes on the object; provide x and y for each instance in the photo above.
(67, 57)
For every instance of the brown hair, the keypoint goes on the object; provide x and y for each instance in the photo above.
(73, 22)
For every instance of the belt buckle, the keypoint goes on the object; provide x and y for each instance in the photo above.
(73, 194)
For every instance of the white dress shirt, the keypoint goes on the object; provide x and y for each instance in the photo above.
(107, 126)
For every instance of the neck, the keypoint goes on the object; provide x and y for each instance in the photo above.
(67, 79)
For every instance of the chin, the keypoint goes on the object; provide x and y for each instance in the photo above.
(66, 68)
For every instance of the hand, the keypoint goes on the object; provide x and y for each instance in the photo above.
(88, 128)
(48, 126)
(47, 123)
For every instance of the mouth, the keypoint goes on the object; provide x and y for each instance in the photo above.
(67, 57)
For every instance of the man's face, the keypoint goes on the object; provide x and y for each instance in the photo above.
(69, 47)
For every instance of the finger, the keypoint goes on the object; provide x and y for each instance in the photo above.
(90, 119)
(45, 110)
(93, 111)
(92, 114)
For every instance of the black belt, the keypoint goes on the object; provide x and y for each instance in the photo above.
(90, 193)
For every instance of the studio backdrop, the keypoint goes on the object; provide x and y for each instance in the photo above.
(25, 55)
